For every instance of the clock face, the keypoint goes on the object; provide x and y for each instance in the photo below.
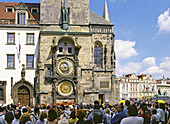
(65, 67)
(65, 88)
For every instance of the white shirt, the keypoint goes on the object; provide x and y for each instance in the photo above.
(132, 120)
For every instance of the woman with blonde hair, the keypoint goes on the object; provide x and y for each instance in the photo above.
(25, 117)
(107, 116)
(42, 118)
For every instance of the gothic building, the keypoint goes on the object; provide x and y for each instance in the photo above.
(56, 51)
(76, 53)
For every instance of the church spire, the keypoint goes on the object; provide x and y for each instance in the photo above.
(106, 12)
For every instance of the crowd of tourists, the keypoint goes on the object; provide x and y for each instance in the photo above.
(121, 113)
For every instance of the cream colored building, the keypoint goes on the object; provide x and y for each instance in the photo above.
(137, 87)
(164, 86)
(147, 87)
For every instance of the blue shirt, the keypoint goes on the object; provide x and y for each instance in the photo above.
(118, 117)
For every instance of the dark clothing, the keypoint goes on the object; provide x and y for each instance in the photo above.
(146, 118)
(118, 117)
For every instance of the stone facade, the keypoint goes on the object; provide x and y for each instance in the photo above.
(68, 67)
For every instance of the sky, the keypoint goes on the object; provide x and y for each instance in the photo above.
(142, 34)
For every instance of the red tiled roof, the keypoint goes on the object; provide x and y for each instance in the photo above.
(11, 16)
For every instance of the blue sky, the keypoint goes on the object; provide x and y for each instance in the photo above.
(142, 34)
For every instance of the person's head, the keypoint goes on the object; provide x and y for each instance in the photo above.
(96, 105)
(9, 117)
(44, 107)
(25, 117)
(2, 110)
(132, 110)
(43, 115)
(52, 114)
(80, 114)
(162, 106)
(143, 107)
(17, 113)
(73, 114)
(154, 111)
(107, 111)
(127, 103)
(24, 110)
(36, 110)
(120, 107)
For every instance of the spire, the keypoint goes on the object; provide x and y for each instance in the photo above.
(106, 12)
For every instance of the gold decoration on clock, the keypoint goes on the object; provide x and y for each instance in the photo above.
(65, 66)
(65, 88)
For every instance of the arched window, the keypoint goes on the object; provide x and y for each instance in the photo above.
(98, 54)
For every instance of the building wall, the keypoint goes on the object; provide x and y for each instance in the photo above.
(6, 74)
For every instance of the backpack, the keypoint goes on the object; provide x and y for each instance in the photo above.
(34, 116)
(97, 116)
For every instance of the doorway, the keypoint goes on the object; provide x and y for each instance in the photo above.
(24, 96)
(101, 99)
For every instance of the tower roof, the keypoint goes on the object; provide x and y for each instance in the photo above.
(106, 12)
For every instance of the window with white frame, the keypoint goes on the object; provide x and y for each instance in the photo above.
(9, 9)
(21, 18)
(30, 38)
(10, 61)
(10, 38)
(34, 10)
(30, 61)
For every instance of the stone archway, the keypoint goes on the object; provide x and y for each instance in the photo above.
(23, 93)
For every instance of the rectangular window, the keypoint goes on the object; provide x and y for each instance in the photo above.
(30, 61)
(9, 9)
(34, 10)
(10, 38)
(10, 61)
(21, 18)
(60, 49)
(69, 50)
(30, 38)
(49, 72)
(1, 95)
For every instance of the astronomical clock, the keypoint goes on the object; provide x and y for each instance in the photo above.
(65, 67)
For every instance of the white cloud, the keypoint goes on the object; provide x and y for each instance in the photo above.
(150, 61)
(164, 21)
(147, 66)
(125, 49)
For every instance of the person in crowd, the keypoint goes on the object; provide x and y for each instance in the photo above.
(146, 117)
(2, 115)
(42, 118)
(63, 120)
(9, 117)
(96, 115)
(81, 115)
(127, 104)
(154, 118)
(17, 115)
(25, 117)
(107, 116)
(133, 116)
(52, 116)
(120, 115)
(161, 113)
(34, 115)
(73, 119)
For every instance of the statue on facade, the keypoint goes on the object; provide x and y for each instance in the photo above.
(65, 16)
(23, 71)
